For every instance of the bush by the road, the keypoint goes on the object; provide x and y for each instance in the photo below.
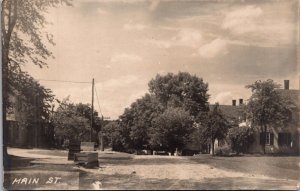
(223, 151)
(240, 138)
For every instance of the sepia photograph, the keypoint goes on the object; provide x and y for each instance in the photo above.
(150, 94)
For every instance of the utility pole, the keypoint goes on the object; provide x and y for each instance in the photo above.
(92, 115)
(101, 135)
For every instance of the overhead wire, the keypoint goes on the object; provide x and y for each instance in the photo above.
(66, 81)
(63, 81)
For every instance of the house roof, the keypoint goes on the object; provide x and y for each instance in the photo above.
(238, 111)
(230, 111)
(294, 95)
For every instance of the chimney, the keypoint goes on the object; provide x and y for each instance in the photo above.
(234, 102)
(241, 102)
(286, 84)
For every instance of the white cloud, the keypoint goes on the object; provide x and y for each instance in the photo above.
(214, 48)
(223, 97)
(253, 25)
(158, 43)
(102, 11)
(188, 37)
(125, 58)
(107, 66)
(117, 82)
(130, 26)
(119, 93)
(182, 37)
(242, 20)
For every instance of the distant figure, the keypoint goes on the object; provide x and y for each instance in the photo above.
(97, 185)
(176, 152)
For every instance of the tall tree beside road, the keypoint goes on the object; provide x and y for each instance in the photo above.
(141, 125)
(32, 104)
(138, 120)
(22, 42)
(213, 126)
(72, 121)
(108, 131)
(181, 90)
(171, 129)
(267, 106)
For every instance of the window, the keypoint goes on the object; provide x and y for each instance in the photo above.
(284, 139)
(267, 138)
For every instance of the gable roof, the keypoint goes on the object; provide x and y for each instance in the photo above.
(294, 95)
(231, 112)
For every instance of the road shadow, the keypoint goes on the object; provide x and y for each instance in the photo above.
(16, 162)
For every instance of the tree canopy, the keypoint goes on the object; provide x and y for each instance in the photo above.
(23, 38)
(73, 121)
(23, 41)
(267, 106)
(163, 119)
(138, 119)
(213, 125)
(240, 138)
(171, 129)
(181, 90)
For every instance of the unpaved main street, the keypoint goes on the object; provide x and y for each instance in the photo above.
(125, 171)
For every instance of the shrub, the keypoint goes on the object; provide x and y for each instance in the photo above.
(240, 138)
(223, 151)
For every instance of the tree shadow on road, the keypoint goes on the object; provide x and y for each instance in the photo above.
(16, 162)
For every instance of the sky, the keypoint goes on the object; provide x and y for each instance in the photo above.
(124, 44)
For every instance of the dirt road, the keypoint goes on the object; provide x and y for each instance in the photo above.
(164, 172)
(124, 171)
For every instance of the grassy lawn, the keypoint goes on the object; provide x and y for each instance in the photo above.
(285, 167)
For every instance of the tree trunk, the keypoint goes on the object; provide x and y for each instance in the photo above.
(4, 103)
(264, 145)
(212, 148)
(6, 35)
(101, 143)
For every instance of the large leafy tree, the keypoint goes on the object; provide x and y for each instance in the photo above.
(181, 90)
(141, 124)
(213, 125)
(138, 119)
(267, 106)
(23, 38)
(108, 133)
(171, 129)
(23, 41)
(31, 104)
(73, 121)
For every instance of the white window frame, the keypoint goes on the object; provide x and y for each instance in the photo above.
(268, 138)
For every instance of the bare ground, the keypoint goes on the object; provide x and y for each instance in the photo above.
(125, 171)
